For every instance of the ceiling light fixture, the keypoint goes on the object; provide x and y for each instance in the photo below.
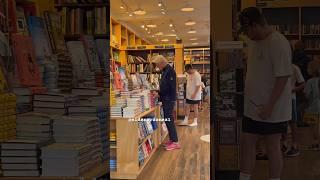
(172, 35)
(193, 39)
(192, 31)
(165, 40)
(130, 14)
(195, 43)
(149, 32)
(122, 6)
(187, 9)
(171, 25)
(173, 30)
(143, 26)
(139, 12)
(152, 36)
(190, 23)
(160, 3)
(151, 25)
(163, 12)
(159, 34)
(146, 29)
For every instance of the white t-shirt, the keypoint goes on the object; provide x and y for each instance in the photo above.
(296, 78)
(267, 60)
(193, 83)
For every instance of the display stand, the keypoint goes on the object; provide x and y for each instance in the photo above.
(127, 140)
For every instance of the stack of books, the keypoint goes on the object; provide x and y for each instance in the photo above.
(50, 77)
(65, 74)
(79, 129)
(133, 108)
(66, 159)
(53, 103)
(21, 157)
(116, 111)
(34, 126)
(113, 139)
(24, 99)
(113, 164)
(7, 116)
(98, 111)
(141, 98)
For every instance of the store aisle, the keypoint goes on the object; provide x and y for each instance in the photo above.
(306, 166)
(192, 161)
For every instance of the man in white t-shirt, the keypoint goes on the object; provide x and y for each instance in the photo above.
(193, 95)
(268, 98)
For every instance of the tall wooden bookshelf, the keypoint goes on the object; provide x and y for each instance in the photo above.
(200, 59)
(297, 21)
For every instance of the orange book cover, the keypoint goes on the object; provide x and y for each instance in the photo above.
(28, 69)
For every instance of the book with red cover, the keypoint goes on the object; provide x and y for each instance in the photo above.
(29, 72)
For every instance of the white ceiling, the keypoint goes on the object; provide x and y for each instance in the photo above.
(201, 15)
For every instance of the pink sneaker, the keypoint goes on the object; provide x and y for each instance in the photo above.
(173, 146)
(166, 143)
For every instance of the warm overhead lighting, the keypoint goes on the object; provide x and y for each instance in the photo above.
(192, 31)
(187, 9)
(122, 6)
(152, 36)
(162, 9)
(170, 25)
(160, 4)
(139, 11)
(195, 43)
(163, 12)
(173, 30)
(190, 23)
(159, 34)
(193, 39)
(149, 32)
(130, 14)
(151, 25)
(173, 35)
(142, 26)
(146, 29)
(165, 40)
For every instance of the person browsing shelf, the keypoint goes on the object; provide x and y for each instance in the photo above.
(193, 95)
(167, 95)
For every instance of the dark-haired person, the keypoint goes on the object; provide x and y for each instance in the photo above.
(167, 96)
(193, 95)
(268, 98)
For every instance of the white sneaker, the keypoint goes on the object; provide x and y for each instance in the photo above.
(183, 123)
(193, 124)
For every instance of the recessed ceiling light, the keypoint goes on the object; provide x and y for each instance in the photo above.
(159, 34)
(187, 9)
(152, 36)
(192, 31)
(173, 35)
(171, 25)
(121, 7)
(151, 25)
(130, 14)
(190, 23)
(142, 26)
(163, 12)
(165, 40)
(195, 43)
(160, 4)
(149, 32)
(146, 29)
(173, 30)
(140, 12)
(193, 39)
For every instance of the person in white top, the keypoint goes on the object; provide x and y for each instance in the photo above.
(298, 83)
(267, 95)
(193, 95)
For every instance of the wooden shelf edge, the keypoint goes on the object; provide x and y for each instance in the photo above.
(138, 116)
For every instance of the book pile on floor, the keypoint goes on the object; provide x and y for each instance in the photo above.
(7, 116)
(66, 159)
(24, 99)
(100, 113)
(34, 126)
(65, 74)
(53, 103)
(85, 130)
(21, 157)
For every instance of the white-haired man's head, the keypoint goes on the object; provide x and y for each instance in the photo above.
(160, 61)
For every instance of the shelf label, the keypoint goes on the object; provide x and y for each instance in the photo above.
(159, 47)
(142, 47)
(229, 45)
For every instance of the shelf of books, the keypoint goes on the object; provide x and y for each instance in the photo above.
(297, 23)
(53, 119)
(200, 60)
(228, 108)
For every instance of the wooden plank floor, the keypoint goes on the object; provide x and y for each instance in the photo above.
(192, 161)
(304, 167)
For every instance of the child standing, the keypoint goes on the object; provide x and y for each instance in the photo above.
(312, 93)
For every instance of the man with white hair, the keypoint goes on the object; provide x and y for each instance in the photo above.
(167, 96)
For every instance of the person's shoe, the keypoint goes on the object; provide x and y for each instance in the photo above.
(172, 146)
(166, 143)
(293, 152)
(193, 124)
(183, 123)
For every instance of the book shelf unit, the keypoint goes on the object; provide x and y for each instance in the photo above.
(297, 21)
(200, 59)
(127, 144)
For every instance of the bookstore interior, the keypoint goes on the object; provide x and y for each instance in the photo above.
(78, 82)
